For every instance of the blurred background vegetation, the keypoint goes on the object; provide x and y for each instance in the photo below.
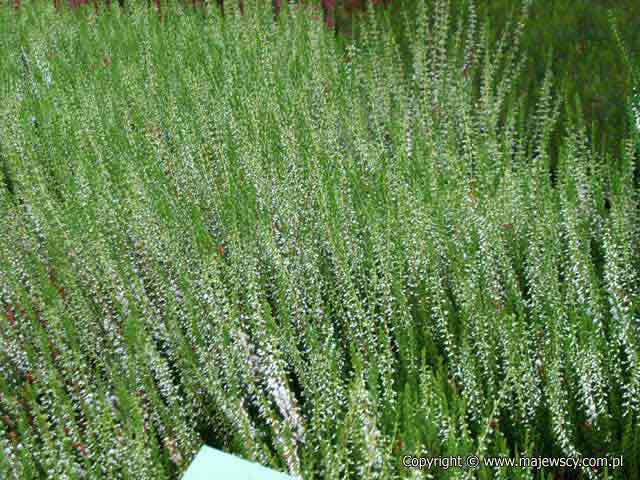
(576, 34)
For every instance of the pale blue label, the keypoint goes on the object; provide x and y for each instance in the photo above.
(212, 464)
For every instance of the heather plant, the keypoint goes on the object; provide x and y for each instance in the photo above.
(217, 229)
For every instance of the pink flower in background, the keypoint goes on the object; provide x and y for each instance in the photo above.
(328, 7)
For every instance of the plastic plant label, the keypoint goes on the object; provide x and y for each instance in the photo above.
(212, 464)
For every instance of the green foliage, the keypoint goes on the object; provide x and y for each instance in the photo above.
(585, 60)
(221, 229)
